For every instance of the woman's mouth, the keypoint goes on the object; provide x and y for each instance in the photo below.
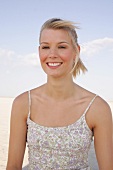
(54, 64)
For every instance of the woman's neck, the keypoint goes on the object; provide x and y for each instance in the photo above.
(60, 88)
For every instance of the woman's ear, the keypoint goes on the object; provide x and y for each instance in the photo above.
(77, 51)
(78, 47)
(38, 49)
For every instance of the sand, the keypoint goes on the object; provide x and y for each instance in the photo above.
(5, 109)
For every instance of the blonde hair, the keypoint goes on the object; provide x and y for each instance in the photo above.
(56, 23)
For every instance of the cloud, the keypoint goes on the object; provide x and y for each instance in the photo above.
(98, 47)
(29, 59)
(95, 47)
(10, 58)
(5, 52)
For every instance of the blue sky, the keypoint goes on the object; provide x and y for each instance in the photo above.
(20, 22)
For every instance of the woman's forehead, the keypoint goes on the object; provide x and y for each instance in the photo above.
(55, 34)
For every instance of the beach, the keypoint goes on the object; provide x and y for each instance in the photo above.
(5, 110)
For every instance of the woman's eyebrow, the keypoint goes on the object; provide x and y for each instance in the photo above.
(44, 43)
(58, 42)
(63, 42)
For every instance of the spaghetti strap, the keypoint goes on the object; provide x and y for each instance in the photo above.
(29, 99)
(90, 104)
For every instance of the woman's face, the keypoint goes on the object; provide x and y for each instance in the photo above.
(56, 52)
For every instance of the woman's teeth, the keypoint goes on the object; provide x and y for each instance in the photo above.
(54, 64)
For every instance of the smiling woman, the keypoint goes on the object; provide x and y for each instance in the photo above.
(67, 39)
(59, 119)
(56, 52)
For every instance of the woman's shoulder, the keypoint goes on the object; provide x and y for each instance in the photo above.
(20, 106)
(100, 107)
(37, 93)
(101, 111)
(99, 104)
(23, 98)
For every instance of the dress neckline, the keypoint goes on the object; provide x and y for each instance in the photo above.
(62, 127)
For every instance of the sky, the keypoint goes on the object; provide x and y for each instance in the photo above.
(20, 23)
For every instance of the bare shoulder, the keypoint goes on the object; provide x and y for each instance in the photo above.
(37, 93)
(102, 106)
(101, 111)
(20, 106)
(38, 90)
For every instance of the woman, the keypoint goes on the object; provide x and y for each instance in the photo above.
(59, 118)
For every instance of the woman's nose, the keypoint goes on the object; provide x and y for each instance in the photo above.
(52, 53)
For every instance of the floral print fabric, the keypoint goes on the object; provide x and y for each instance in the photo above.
(61, 148)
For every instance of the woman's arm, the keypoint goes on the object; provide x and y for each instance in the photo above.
(18, 130)
(103, 136)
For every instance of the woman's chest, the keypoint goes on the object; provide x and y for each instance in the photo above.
(56, 113)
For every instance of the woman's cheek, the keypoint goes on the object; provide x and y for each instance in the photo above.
(42, 56)
(66, 56)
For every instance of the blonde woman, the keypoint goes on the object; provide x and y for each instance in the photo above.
(59, 118)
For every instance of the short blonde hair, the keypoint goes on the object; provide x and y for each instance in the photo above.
(70, 27)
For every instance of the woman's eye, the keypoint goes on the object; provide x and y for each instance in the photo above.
(45, 47)
(62, 47)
